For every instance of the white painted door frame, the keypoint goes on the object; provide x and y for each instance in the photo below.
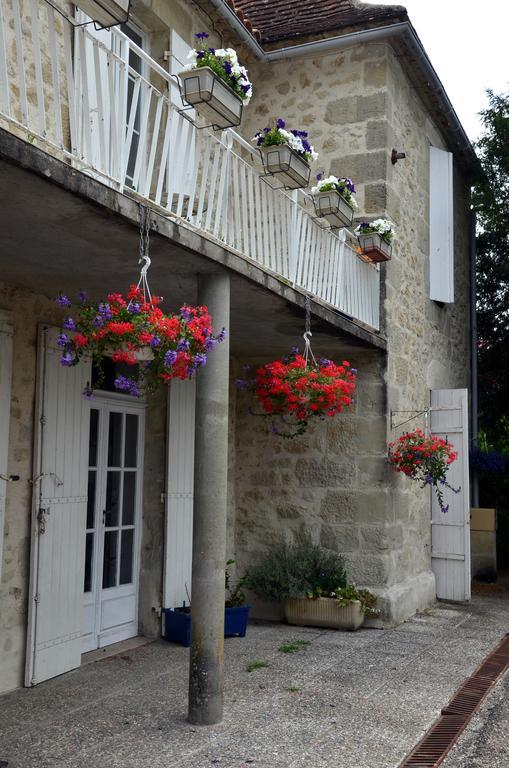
(450, 531)
(100, 600)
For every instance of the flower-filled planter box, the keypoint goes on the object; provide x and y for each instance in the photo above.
(324, 612)
(375, 247)
(334, 208)
(212, 98)
(177, 623)
(285, 163)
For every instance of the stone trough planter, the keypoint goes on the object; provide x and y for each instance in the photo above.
(323, 612)
(333, 207)
(282, 161)
(212, 98)
(375, 248)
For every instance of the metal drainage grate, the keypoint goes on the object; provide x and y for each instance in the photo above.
(437, 742)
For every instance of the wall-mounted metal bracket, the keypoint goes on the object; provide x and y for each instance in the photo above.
(394, 414)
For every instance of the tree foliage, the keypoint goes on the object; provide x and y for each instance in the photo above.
(491, 201)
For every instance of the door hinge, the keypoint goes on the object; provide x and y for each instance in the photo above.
(37, 597)
(41, 519)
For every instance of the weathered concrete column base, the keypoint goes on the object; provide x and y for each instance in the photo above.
(210, 512)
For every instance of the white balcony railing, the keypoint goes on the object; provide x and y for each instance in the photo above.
(104, 105)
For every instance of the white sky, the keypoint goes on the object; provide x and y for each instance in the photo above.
(467, 42)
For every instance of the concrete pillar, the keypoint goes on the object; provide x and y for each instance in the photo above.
(209, 522)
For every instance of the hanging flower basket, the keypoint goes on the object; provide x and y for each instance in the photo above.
(216, 85)
(375, 239)
(334, 201)
(424, 459)
(294, 390)
(135, 331)
(286, 154)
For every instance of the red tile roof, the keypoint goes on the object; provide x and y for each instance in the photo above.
(273, 20)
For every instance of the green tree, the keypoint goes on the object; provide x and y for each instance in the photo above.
(491, 201)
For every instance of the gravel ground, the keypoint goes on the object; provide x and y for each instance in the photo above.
(345, 700)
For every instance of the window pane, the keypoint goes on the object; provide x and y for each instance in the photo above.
(131, 440)
(126, 557)
(92, 440)
(110, 559)
(115, 439)
(112, 499)
(91, 499)
(89, 550)
(128, 498)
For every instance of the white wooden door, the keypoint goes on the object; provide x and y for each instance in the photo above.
(179, 494)
(58, 516)
(6, 336)
(450, 531)
(115, 477)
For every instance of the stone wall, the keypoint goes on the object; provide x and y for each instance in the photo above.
(28, 311)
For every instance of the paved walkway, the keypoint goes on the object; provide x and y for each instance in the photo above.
(346, 700)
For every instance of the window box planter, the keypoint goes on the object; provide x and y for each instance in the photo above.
(282, 161)
(324, 612)
(375, 247)
(334, 208)
(177, 623)
(212, 98)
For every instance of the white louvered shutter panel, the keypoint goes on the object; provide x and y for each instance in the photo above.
(441, 223)
(450, 531)
(179, 494)
(59, 514)
(6, 336)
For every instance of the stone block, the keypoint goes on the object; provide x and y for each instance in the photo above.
(375, 73)
(368, 570)
(377, 134)
(339, 538)
(290, 511)
(378, 538)
(375, 198)
(355, 109)
(339, 506)
(373, 507)
(370, 166)
(373, 471)
(324, 472)
(343, 435)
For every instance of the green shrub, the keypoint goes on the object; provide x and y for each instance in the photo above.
(296, 570)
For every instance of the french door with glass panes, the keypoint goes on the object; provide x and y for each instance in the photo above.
(115, 476)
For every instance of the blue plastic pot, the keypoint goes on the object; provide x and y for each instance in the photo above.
(177, 624)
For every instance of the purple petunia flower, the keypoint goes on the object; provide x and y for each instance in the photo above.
(67, 359)
(200, 54)
(69, 324)
(62, 340)
(201, 35)
(240, 383)
(185, 314)
(98, 321)
(280, 122)
(221, 336)
(306, 146)
(155, 341)
(210, 343)
(63, 301)
(294, 351)
(88, 392)
(319, 176)
(82, 297)
(200, 359)
(104, 310)
(212, 51)
(170, 358)
(353, 370)
(134, 308)
(245, 88)
(183, 345)
(227, 67)
(324, 361)
(124, 384)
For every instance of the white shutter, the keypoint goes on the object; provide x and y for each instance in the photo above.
(450, 533)
(441, 240)
(179, 494)
(6, 335)
(59, 515)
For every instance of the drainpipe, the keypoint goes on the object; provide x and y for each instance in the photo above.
(473, 353)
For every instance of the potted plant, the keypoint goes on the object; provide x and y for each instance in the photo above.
(215, 84)
(425, 459)
(375, 239)
(177, 621)
(334, 200)
(293, 390)
(286, 154)
(312, 584)
(134, 330)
